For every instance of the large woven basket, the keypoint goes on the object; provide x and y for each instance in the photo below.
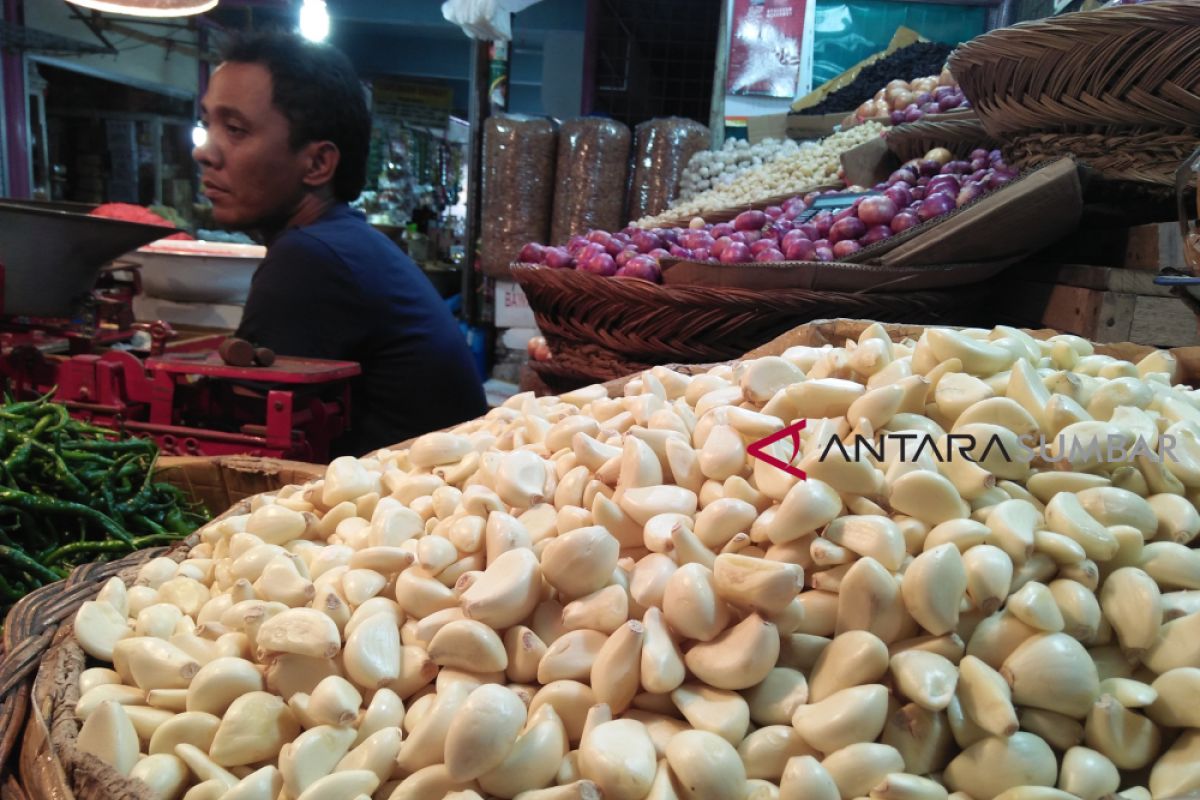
(1128, 65)
(960, 137)
(1138, 154)
(600, 328)
(43, 617)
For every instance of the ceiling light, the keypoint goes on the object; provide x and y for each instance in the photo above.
(199, 136)
(149, 8)
(314, 20)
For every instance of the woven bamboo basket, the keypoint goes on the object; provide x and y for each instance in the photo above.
(1128, 65)
(600, 328)
(35, 634)
(960, 137)
(1140, 155)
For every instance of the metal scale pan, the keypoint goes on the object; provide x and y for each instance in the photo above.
(50, 258)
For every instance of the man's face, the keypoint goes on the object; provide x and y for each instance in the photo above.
(250, 172)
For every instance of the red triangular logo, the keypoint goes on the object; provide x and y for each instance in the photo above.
(758, 449)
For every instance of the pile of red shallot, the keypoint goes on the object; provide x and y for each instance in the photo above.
(920, 191)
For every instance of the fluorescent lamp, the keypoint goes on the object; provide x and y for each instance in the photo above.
(314, 20)
(149, 8)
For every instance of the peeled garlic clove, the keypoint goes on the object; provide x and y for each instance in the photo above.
(204, 768)
(581, 561)
(852, 659)
(483, 731)
(766, 752)
(340, 785)
(922, 737)
(275, 524)
(805, 779)
(109, 735)
(313, 755)
(902, 786)
(994, 765)
(619, 758)
(722, 712)
(571, 656)
(691, 605)
(153, 663)
(1079, 607)
(933, 587)
(1129, 739)
(870, 536)
(986, 698)
(1132, 603)
(844, 718)
(1034, 605)
(115, 692)
(334, 701)
(738, 658)
(97, 676)
(1174, 706)
(989, 576)
(642, 503)
(928, 679)
(262, 784)
(165, 774)
(509, 588)
(1052, 671)
(807, 506)
(1087, 774)
(220, 682)
(427, 743)
(303, 631)
(706, 766)
(1177, 771)
(776, 698)
(1065, 515)
(927, 496)
(662, 666)
(858, 768)
(615, 674)
(720, 520)
(254, 728)
(98, 627)
(533, 760)
(372, 652)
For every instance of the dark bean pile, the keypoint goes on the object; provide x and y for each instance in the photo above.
(918, 60)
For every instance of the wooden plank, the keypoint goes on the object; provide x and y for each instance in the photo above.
(1154, 247)
(1088, 276)
(1164, 321)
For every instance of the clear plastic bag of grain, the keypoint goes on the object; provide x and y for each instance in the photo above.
(518, 188)
(593, 164)
(662, 150)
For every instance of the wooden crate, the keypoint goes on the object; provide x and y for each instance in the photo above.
(1143, 247)
(1103, 304)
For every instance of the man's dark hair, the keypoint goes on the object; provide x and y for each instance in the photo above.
(316, 88)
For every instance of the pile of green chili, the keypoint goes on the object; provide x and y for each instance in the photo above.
(71, 493)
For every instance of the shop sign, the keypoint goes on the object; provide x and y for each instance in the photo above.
(426, 105)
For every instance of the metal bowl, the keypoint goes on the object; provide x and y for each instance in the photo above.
(52, 258)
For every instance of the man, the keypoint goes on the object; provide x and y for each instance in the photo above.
(288, 134)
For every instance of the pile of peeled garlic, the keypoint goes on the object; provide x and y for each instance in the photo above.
(583, 596)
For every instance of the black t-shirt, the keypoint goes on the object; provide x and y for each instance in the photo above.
(339, 289)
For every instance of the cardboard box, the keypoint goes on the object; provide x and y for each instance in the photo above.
(512, 307)
(969, 245)
(794, 126)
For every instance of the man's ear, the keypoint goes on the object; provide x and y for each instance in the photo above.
(321, 163)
